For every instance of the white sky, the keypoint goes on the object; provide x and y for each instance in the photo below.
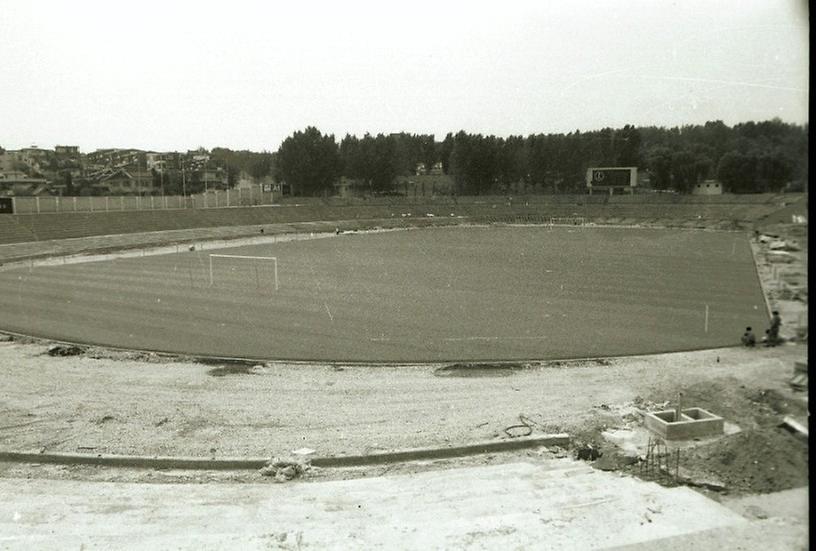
(175, 75)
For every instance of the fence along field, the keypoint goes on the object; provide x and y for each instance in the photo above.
(482, 293)
(238, 197)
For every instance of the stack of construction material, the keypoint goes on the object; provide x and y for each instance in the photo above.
(799, 380)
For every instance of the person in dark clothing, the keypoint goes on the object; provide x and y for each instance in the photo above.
(776, 322)
(748, 338)
(773, 331)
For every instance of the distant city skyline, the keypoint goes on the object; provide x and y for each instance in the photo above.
(245, 75)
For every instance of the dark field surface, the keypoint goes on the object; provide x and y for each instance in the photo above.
(486, 293)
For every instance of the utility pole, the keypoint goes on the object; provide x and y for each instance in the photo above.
(206, 199)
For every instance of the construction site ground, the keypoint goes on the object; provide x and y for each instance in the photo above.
(119, 403)
(543, 504)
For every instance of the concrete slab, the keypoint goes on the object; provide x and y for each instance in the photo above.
(780, 522)
(776, 534)
(554, 504)
(791, 504)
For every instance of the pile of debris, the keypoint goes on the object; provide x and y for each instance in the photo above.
(64, 350)
(285, 469)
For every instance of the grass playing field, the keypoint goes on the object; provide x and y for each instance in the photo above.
(481, 293)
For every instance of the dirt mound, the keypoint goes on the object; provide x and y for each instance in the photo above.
(773, 403)
(732, 400)
(64, 350)
(232, 369)
(762, 461)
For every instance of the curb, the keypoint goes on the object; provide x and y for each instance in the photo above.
(255, 463)
(755, 255)
(442, 453)
(182, 357)
(135, 461)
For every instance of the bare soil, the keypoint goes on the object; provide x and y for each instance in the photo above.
(92, 404)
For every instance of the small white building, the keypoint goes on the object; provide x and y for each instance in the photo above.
(708, 187)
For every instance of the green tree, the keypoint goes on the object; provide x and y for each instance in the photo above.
(309, 162)
(774, 170)
(658, 164)
(628, 152)
(428, 153)
(537, 158)
(445, 150)
(737, 172)
(683, 171)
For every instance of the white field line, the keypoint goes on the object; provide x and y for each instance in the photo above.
(460, 339)
(204, 245)
(244, 256)
(329, 312)
(464, 339)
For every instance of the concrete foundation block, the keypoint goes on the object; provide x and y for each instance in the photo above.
(693, 423)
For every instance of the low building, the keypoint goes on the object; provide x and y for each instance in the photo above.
(67, 150)
(19, 183)
(163, 161)
(437, 169)
(423, 170)
(116, 157)
(117, 182)
(348, 187)
(707, 187)
(425, 184)
(34, 154)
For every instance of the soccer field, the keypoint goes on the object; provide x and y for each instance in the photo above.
(446, 294)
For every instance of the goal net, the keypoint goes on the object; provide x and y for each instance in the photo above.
(242, 271)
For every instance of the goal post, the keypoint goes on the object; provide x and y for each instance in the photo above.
(270, 259)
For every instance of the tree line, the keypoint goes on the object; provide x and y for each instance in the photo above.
(748, 157)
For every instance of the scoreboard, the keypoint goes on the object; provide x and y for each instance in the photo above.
(611, 177)
(6, 205)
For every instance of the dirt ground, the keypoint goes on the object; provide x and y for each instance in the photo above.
(90, 403)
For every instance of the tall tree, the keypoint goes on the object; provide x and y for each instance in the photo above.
(628, 153)
(683, 171)
(658, 163)
(737, 172)
(309, 162)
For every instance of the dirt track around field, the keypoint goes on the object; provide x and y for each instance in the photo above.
(126, 406)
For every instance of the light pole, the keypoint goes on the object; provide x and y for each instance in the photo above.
(206, 198)
(183, 185)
